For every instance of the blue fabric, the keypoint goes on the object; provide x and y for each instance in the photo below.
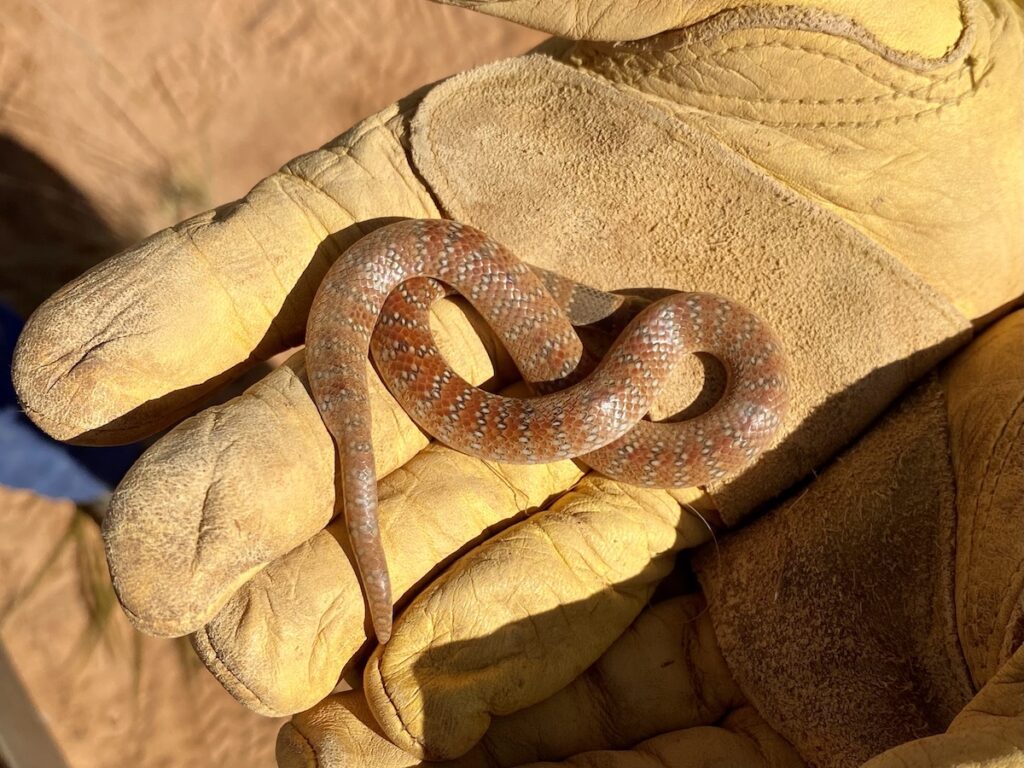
(31, 459)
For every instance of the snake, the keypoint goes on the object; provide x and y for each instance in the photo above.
(374, 300)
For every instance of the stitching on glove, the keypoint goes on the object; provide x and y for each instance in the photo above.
(934, 79)
(223, 669)
(789, 18)
(394, 707)
(913, 93)
(896, 95)
(876, 123)
(937, 104)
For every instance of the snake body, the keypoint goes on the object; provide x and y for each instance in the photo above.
(376, 296)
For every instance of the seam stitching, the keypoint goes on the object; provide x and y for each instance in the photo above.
(937, 105)
(934, 78)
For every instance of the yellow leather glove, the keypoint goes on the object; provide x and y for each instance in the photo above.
(882, 603)
(838, 170)
(885, 602)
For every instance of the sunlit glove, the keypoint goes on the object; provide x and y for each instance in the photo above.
(878, 605)
(844, 177)
(885, 602)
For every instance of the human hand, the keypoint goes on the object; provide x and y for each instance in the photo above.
(200, 540)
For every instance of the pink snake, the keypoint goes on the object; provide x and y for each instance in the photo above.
(375, 292)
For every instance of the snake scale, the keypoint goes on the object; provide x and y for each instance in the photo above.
(376, 297)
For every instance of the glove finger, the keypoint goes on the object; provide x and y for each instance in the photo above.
(283, 638)
(522, 615)
(128, 348)
(238, 485)
(664, 673)
(742, 739)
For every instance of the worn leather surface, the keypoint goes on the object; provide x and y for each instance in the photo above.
(849, 208)
(664, 675)
(853, 590)
(869, 609)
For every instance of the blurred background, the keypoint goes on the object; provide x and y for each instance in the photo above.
(119, 118)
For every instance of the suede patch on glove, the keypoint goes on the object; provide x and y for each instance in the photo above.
(985, 385)
(597, 184)
(835, 612)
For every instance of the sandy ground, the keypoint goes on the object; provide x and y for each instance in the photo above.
(107, 694)
(120, 117)
(117, 118)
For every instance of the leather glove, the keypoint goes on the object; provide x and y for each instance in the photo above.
(884, 603)
(680, 150)
(880, 604)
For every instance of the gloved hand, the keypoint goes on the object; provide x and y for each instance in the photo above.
(848, 208)
(880, 604)
(885, 602)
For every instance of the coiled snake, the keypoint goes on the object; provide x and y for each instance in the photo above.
(379, 283)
